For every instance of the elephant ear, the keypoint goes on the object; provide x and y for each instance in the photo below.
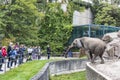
(74, 43)
(78, 43)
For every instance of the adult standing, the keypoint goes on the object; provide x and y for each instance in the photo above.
(4, 52)
(39, 52)
(8, 52)
(70, 53)
(13, 56)
(48, 51)
(1, 61)
(29, 50)
(21, 53)
(16, 46)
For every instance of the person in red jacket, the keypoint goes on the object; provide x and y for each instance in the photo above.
(4, 51)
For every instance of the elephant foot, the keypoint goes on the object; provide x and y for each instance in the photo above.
(102, 62)
(92, 61)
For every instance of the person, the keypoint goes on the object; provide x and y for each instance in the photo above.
(29, 51)
(39, 52)
(21, 54)
(16, 46)
(48, 51)
(1, 61)
(34, 53)
(70, 53)
(8, 52)
(4, 52)
(13, 56)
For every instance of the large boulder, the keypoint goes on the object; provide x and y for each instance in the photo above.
(108, 37)
(112, 49)
(113, 44)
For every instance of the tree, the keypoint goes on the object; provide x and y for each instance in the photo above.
(18, 20)
(104, 16)
(56, 26)
(105, 13)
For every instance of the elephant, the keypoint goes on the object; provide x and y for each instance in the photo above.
(93, 47)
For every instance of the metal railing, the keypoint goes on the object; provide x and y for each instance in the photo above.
(8, 63)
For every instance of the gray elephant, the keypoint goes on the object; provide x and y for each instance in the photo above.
(91, 45)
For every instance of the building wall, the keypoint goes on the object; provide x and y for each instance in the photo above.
(82, 18)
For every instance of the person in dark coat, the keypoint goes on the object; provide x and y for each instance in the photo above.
(8, 55)
(21, 54)
(1, 61)
(48, 51)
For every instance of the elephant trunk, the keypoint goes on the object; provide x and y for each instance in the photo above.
(67, 51)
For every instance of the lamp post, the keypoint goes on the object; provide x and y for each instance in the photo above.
(89, 20)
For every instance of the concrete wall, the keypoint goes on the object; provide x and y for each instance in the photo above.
(60, 67)
(82, 18)
(42, 74)
(66, 66)
(93, 74)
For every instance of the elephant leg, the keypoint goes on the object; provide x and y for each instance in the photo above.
(91, 56)
(92, 61)
(88, 54)
(102, 61)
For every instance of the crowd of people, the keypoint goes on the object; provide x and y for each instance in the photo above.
(15, 53)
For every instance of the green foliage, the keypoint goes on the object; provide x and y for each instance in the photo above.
(18, 20)
(105, 14)
(56, 26)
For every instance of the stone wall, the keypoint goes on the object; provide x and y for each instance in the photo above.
(42, 74)
(93, 74)
(66, 66)
(82, 18)
(60, 67)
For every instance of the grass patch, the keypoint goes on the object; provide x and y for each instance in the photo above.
(24, 71)
(73, 76)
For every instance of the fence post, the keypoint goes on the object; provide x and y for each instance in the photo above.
(89, 30)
